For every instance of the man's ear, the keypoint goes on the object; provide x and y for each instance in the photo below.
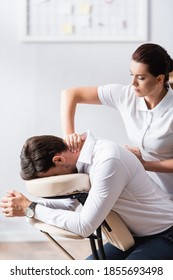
(58, 159)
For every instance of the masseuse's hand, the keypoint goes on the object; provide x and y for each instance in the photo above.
(136, 151)
(14, 204)
(74, 142)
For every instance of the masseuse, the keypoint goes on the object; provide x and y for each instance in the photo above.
(146, 107)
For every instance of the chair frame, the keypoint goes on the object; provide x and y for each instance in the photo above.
(95, 238)
(113, 227)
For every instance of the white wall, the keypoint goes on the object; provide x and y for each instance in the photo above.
(31, 78)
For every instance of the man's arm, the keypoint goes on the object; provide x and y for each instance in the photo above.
(15, 204)
(101, 199)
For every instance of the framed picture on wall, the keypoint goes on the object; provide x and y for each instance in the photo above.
(85, 21)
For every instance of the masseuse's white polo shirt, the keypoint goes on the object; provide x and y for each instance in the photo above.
(118, 182)
(150, 130)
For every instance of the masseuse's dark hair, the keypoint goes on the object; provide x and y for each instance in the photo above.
(157, 59)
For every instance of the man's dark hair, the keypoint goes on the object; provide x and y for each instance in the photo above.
(37, 153)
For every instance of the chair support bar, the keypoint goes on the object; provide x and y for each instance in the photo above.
(81, 197)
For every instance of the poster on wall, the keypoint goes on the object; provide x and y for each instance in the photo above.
(85, 20)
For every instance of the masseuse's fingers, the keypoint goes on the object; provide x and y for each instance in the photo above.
(136, 151)
(74, 142)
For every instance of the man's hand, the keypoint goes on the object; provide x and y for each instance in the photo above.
(14, 204)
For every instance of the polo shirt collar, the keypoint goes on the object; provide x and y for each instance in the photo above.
(161, 108)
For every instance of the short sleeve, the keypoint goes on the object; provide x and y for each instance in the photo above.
(113, 95)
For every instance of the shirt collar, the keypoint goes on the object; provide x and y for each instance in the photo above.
(85, 156)
(161, 108)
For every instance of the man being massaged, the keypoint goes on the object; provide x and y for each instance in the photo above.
(118, 182)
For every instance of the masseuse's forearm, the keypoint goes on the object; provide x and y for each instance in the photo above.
(68, 108)
(69, 99)
(165, 166)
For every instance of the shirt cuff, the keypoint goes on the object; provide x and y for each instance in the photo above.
(42, 213)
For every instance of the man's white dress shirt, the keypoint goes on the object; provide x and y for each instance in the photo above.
(118, 182)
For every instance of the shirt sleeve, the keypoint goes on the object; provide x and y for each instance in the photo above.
(67, 204)
(101, 199)
(113, 95)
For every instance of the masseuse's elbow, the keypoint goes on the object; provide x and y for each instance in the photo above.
(65, 92)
